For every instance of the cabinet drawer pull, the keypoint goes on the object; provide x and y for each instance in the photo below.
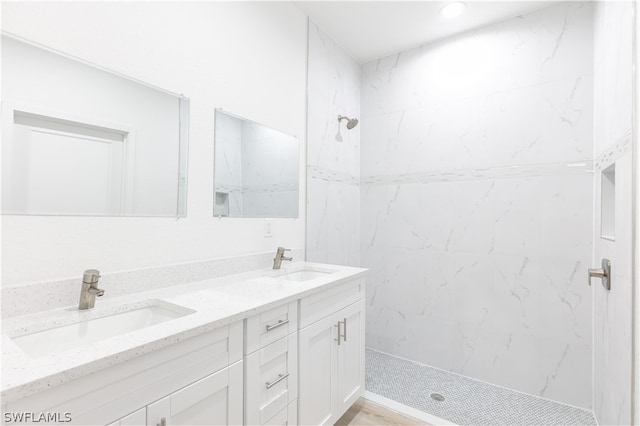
(280, 378)
(339, 334)
(163, 422)
(278, 324)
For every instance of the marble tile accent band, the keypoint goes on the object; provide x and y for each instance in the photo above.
(454, 175)
(614, 152)
(331, 175)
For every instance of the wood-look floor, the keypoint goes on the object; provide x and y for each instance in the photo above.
(367, 413)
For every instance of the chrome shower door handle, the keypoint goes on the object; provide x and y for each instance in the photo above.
(604, 273)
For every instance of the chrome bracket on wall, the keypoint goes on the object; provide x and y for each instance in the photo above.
(604, 273)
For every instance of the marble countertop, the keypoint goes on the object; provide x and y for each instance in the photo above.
(216, 302)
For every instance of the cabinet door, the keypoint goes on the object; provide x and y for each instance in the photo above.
(137, 418)
(350, 360)
(317, 373)
(214, 400)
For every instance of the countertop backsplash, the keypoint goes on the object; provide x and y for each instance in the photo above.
(43, 296)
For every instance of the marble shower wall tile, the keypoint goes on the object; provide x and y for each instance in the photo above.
(334, 236)
(546, 123)
(550, 44)
(476, 203)
(324, 152)
(333, 168)
(613, 308)
(612, 69)
(483, 278)
(613, 36)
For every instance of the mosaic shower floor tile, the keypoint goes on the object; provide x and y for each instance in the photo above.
(463, 400)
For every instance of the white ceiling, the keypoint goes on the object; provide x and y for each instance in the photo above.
(369, 30)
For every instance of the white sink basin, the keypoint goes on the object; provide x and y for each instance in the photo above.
(58, 339)
(304, 275)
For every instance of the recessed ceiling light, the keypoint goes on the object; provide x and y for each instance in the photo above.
(453, 9)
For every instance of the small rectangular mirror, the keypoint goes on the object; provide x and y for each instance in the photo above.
(256, 169)
(82, 141)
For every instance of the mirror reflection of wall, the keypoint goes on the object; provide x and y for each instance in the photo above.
(79, 140)
(256, 169)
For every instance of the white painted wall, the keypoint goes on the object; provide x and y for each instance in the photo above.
(248, 58)
(476, 203)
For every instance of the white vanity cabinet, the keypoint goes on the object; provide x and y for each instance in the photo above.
(331, 353)
(271, 367)
(297, 362)
(200, 378)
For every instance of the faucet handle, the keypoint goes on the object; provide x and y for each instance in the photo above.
(282, 249)
(91, 276)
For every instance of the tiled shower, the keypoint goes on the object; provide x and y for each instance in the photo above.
(474, 168)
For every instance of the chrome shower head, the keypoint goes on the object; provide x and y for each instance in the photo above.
(351, 122)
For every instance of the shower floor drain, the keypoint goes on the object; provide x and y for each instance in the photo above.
(437, 397)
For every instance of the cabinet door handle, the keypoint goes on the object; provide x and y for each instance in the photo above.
(278, 324)
(163, 422)
(344, 336)
(339, 334)
(280, 378)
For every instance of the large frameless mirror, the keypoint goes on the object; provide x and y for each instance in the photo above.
(256, 169)
(80, 140)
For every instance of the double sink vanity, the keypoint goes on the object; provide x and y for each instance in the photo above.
(265, 347)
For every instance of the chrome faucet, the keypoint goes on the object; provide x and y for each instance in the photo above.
(277, 261)
(89, 289)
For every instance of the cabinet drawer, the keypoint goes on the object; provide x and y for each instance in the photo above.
(271, 380)
(269, 326)
(288, 416)
(325, 303)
